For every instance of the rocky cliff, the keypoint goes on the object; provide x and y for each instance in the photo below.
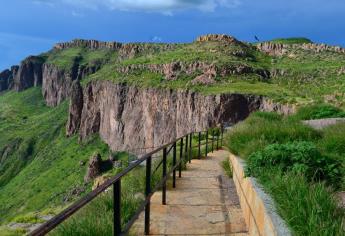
(6, 78)
(134, 119)
(29, 73)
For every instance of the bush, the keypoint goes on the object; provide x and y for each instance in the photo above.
(318, 112)
(262, 129)
(297, 157)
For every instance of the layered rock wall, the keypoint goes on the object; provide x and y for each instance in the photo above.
(278, 49)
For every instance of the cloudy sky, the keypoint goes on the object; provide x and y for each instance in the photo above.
(33, 26)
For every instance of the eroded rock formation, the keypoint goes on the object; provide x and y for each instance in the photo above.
(94, 167)
(220, 38)
(278, 49)
(92, 44)
(173, 69)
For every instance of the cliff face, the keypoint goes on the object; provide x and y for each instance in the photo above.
(128, 118)
(5, 79)
(29, 73)
(57, 83)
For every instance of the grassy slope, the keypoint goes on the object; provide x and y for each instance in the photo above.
(297, 40)
(44, 166)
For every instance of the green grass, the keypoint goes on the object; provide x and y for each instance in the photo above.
(227, 167)
(39, 166)
(66, 58)
(278, 143)
(308, 209)
(297, 40)
(261, 129)
(319, 111)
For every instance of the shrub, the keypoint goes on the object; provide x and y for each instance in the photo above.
(297, 157)
(318, 112)
(262, 129)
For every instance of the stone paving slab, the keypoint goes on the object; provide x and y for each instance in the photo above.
(197, 198)
(204, 202)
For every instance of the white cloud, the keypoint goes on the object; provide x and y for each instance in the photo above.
(162, 6)
(156, 39)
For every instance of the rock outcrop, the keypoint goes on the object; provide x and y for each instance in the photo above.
(136, 119)
(29, 73)
(273, 49)
(173, 69)
(5, 79)
(94, 168)
(278, 49)
(91, 44)
(126, 50)
(57, 83)
(220, 38)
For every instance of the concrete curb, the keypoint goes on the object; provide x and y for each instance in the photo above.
(258, 207)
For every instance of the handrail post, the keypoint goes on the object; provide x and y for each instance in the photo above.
(190, 147)
(199, 145)
(212, 140)
(174, 163)
(221, 138)
(217, 140)
(117, 207)
(181, 155)
(147, 192)
(206, 151)
(164, 189)
(186, 153)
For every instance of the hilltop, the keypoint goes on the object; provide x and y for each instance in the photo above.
(131, 96)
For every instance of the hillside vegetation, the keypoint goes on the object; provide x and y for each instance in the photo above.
(39, 167)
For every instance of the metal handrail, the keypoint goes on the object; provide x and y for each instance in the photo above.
(116, 182)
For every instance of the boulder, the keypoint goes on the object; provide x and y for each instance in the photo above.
(203, 79)
(94, 168)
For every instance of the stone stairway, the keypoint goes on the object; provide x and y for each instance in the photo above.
(204, 202)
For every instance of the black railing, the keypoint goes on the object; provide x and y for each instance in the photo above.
(186, 154)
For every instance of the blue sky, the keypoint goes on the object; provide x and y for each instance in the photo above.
(28, 27)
